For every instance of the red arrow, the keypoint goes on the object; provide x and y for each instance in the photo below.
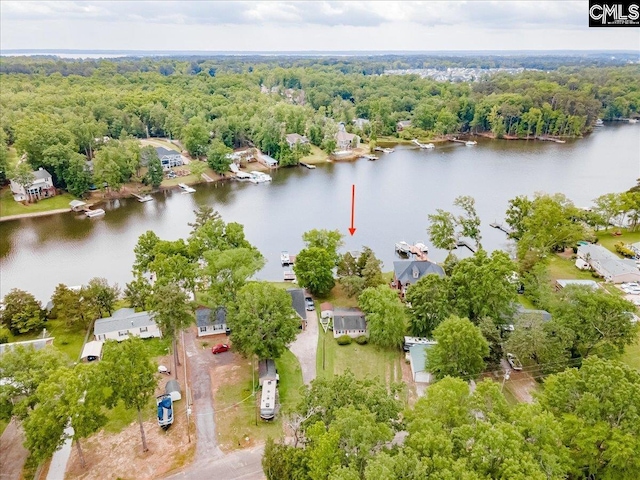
(352, 230)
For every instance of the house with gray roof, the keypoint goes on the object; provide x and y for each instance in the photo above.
(349, 321)
(608, 265)
(293, 138)
(298, 303)
(169, 158)
(37, 344)
(210, 322)
(41, 187)
(408, 272)
(524, 313)
(267, 160)
(562, 283)
(346, 140)
(124, 323)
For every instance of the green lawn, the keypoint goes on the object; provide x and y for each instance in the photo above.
(3, 425)
(526, 303)
(362, 360)
(607, 240)
(338, 298)
(8, 206)
(565, 268)
(65, 340)
(237, 409)
(632, 355)
(316, 156)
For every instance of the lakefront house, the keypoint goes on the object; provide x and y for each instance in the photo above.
(41, 187)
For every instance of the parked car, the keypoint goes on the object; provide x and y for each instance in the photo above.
(309, 303)
(221, 347)
(514, 361)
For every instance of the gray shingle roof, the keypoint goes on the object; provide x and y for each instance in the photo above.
(297, 301)
(123, 319)
(522, 312)
(41, 174)
(604, 261)
(204, 317)
(165, 152)
(352, 319)
(409, 271)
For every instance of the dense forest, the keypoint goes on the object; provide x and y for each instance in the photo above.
(57, 111)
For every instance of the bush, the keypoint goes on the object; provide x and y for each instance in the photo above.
(344, 340)
(362, 340)
(625, 251)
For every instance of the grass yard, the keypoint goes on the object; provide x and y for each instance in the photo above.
(8, 206)
(237, 409)
(608, 241)
(316, 156)
(362, 360)
(526, 303)
(160, 142)
(338, 298)
(632, 355)
(68, 341)
(565, 268)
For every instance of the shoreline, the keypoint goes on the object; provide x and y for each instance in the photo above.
(34, 214)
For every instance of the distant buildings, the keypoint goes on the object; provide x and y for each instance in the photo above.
(455, 74)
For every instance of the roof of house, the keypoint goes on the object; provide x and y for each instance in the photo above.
(585, 283)
(38, 344)
(297, 301)
(404, 123)
(204, 317)
(41, 174)
(343, 136)
(294, 137)
(268, 159)
(606, 261)
(172, 386)
(165, 152)
(77, 203)
(410, 271)
(419, 354)
(349, 319)
(522, 312)
(326, 307)
(123, 319)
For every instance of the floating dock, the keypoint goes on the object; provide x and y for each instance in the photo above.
(98, 212)
(186, 188)
(143, 198)
(370, 157)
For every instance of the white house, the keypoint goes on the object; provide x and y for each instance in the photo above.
(41, 187)
(293, 138)
(124, 323)
(608, 265)
(349, 322)
(210, 322)
(169, 158)
(346, 140)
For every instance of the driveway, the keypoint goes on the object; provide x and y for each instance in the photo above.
(238, 465)
(12, 452)
(305, 347)
(200, 360)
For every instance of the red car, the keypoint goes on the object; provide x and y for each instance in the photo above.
(221, 347)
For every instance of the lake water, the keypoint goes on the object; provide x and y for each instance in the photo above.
(394, 195)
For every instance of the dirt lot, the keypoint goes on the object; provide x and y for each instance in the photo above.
(112, 456)
(12, 452)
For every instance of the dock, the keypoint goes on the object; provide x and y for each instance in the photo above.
(98, 212)
(550, 139)
(370, 157)
(501, 226)
(427, 146)
(143, 198)
(307, 165)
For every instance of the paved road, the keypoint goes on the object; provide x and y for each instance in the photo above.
(305, 347)
(238, 465)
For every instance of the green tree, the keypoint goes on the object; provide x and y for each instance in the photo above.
(21, 312)
(138, 293)
(469, 222)
(610, 206)
(219, 156)
(386, 316)
(519, 209)
(155, 174)
(442, 230)
(128, 370)
(314, 270)
(145, 251)
(23, 176)
(70, 308)
(599, 410)
(329, 240)
(263, 321)
(197, 169)
(69, 397)
(460, 349)
(430, 304)
(25, 369)
(601, 322)
(483, 286)
(77, 176)
(172, 312)
(227, 271)
(101, 296)
(195, 136)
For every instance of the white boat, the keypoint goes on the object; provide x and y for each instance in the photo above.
(284, 258)
(632, 120)
(289, 276)
(98, 212)
(259, 177)
(243, 176)
(599, 123)
(403, 247)
(186, 188)
(422, 247)
(165, 410)
(470, 143)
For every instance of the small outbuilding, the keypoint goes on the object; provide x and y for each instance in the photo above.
(326, 310)
(172, 388)
(418, 359)
(92, 351)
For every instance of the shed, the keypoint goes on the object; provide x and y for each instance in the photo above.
(172, 388)
(418, 359)
(92, 351)
(326, 310)
(77, 205)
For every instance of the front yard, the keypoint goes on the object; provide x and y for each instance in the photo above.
(8, 206)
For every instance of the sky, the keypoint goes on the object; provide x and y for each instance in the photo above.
(306, 26)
